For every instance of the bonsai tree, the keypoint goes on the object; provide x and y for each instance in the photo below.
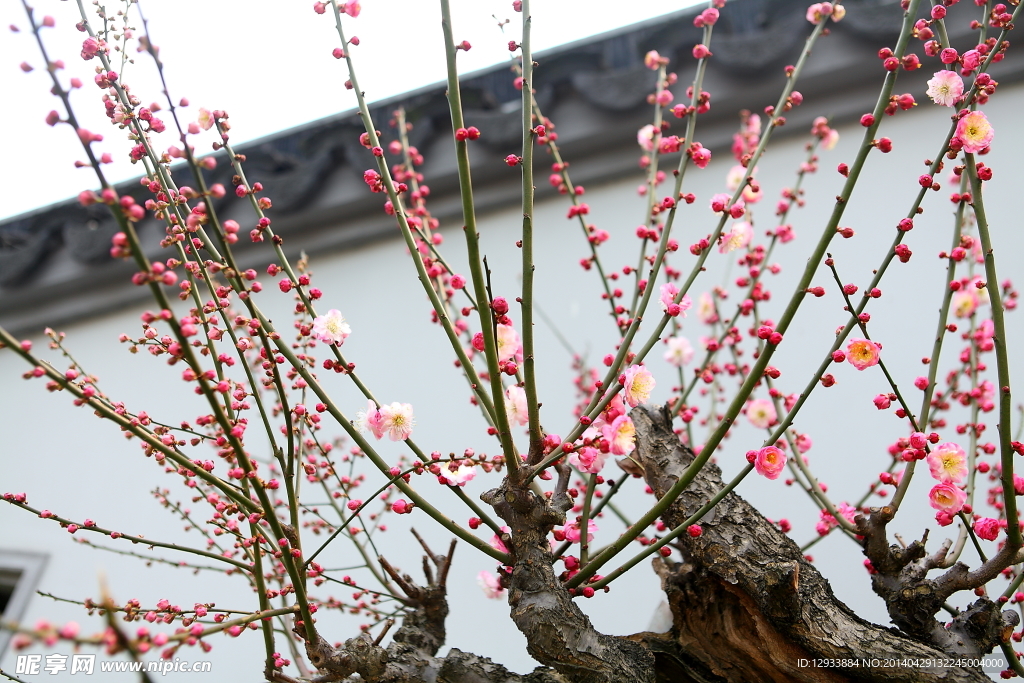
(253, 469)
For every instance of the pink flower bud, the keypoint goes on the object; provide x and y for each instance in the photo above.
(499, 305)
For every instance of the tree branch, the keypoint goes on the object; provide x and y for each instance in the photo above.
(775, 604)
(558, 633)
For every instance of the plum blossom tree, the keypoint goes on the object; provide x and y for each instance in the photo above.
(746, 601)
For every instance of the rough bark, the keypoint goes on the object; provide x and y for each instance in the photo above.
(746, 605)
(913, 599)
(558, 633)
(411, 656)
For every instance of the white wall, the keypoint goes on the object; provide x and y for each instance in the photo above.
(80, 467)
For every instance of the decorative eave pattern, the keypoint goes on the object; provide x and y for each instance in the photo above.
(55, 265)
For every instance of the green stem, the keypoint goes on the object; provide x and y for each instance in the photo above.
(136, 539)
(473, 246)
(529, 362)
(757, 371)
(1013, 534)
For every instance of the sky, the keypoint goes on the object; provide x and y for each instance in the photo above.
(267, 63)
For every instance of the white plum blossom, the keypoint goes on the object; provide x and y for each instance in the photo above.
(680, 351)
(331, 327)
(945, 88)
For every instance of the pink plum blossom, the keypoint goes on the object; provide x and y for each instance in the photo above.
(573, 533)
(669, 291)
(971, 60)
(458, 476)
(680, 351)
(831, 139)
(701, 157)
(206, 120)
(965, 302)
(974, 132)
(638, 383)
(370, 419)
(947, 497)
(621, 435)
(331, 328)
(945, 88)
(509, 345)
(987, 528)
(978, 285)
(862, 353)
(720, 202)
(769, 462)
(734, 177)
(397, 420)
(515, 405)
(499, 544)
(948, 463)
(761, 413)
(819, 12)
(490, 585)
(803, 443)
(706, 310)
(826, 522)
(588, 459)
(645, 137)
(738, 237)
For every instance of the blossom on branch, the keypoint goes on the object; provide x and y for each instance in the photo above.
(819, 12)
(945, 88)
(862, 353)
(669, 291)
(331, 327)
(769, 462)
(490, 584)
(573, 533)
(761, 413)
(509, 344)
(738, 237)
(948, 463)
(496, 541)
(621, 435)
(395, 420)
(974, 132)
(645, 137)
(987, 528)
(637, 384)
(457, 476)
(588, 459)
(515, 405)
(680, 351)
(947, 497)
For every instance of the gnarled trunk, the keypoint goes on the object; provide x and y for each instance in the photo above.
(745, 604)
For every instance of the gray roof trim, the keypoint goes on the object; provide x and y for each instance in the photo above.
(54, 262)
